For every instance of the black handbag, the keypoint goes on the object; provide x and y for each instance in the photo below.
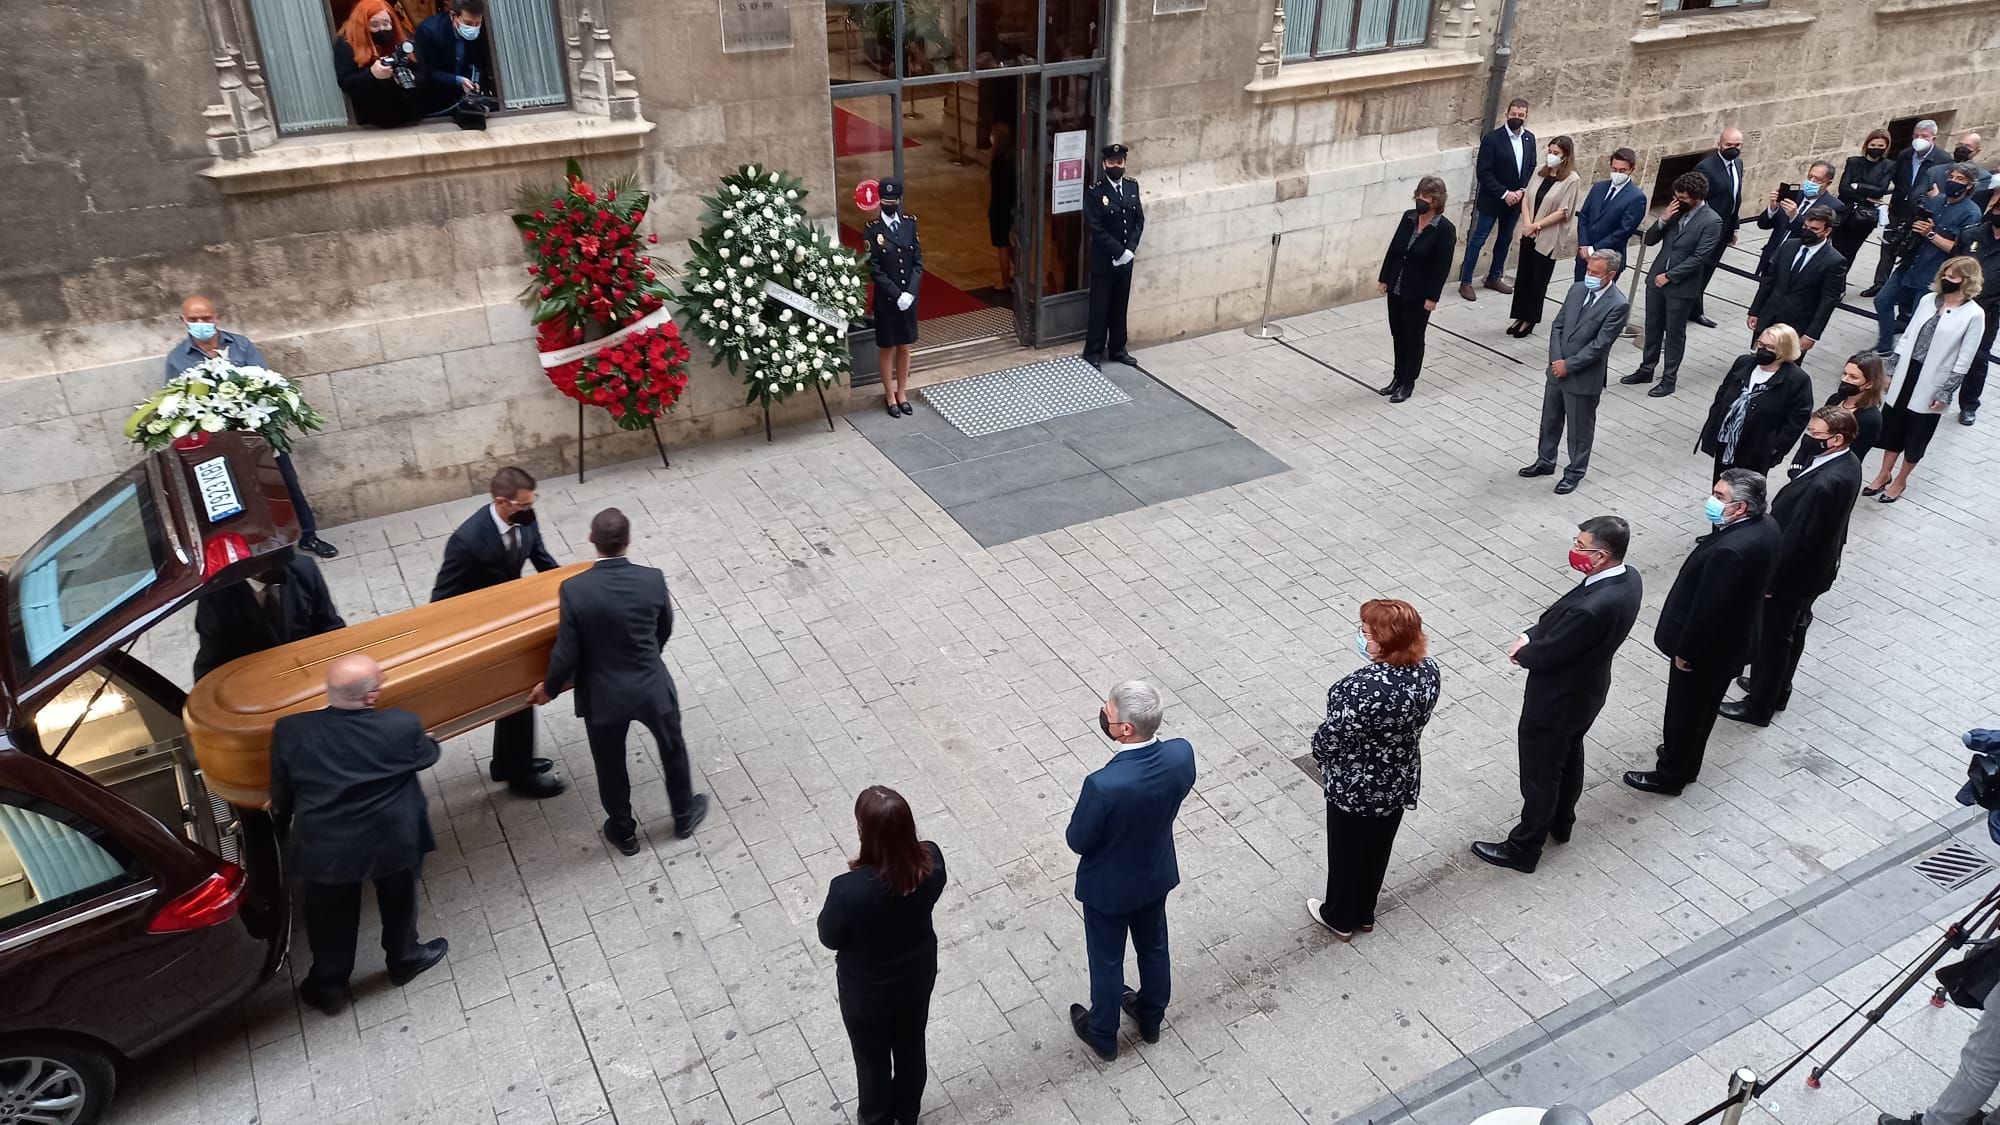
(1969, 981)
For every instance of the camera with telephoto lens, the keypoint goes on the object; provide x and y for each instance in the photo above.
(403, 64)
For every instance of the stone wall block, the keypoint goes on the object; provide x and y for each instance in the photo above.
(56, 450)
(381, 392)
(330, 349)
(36, 399)
(32, 511)
(433, 333)
(477, 437)
(495, 372)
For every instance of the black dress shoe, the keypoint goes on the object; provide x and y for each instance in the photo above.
(1096, 361)
(1131, 1006)
(697, 812)
(1743, 682)
(893, 410)
(1743, 712)
(906, 408)
(1661, 391)
(1649, 781)
(1390, 389)
(1402, 392)
(428, 954)
(318, 546)
(626, 845)
(535, 765)
(1538, 469)
(1505, 854)
(1561, 835)
(537, 785)
(1636, 378)
(1872, 290)
(325, 1001)
(1566, 486)
(1079, 1022)
(1701, 320)
(1967, 417)
(1126, 358)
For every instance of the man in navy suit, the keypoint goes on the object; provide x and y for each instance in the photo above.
(1784, 218)
(1611, 213)
(1123, 827)
(487, 550)
(1507, 158)
(1723, 169)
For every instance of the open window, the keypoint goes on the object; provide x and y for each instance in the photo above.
(1672, 168)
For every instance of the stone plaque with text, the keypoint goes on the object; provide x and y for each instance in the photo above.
(755, 25)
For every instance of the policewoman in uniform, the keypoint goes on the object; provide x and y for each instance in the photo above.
(1114, 220)
(896, 263)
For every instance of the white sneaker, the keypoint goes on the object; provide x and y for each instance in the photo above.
(1312, 908)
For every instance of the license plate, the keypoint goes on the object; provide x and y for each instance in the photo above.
(218, 489)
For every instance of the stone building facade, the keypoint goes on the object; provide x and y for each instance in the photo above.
(146, 162)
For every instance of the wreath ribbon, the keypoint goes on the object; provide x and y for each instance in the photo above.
(588, 348)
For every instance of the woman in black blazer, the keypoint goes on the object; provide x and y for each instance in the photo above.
(1413, 276)
(1866, 178)
(1863, 382)
(1761, 407)
(877, 919)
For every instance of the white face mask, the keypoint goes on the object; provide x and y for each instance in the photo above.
(1921, 145)
(1553, 159)
(1620, 179)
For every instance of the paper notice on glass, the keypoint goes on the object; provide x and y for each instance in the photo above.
(1066, 172)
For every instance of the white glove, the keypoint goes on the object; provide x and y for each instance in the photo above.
(904, 302)
(1122, 258)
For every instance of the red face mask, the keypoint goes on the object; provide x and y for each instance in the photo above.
(1579, 560)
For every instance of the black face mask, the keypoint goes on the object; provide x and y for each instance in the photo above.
(1810, 236)
(1954, 190)
(1422, 207)
(1517, 124)
(1847, 390)
(384, 37)
(1962, 154)
(891, 210)
(1812, 446)
(1104, 724)
(1877, 153)
(1950, 285)
(1114, 174)
(522, 517)
(1765, 357)
(1730, 153)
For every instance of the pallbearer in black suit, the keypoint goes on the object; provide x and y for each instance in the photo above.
(1812, 514)
(613, 623)
(1802, 282)
(288, 602)
(1709, 624)
(1113, 220)
(346, 775)
(487, 550)
(896, 264)
(1568, 656)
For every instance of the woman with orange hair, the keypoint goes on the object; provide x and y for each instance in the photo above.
(369, 63)
(1370, 765)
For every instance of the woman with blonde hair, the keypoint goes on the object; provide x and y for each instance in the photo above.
(1761, 407)
(1548, 232)
(1937, 351)
(1369, 761)
(375, 66)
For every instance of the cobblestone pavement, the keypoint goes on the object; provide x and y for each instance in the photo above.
(838, 630)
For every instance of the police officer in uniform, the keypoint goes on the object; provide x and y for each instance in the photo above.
(896, 263)
(1114, 220)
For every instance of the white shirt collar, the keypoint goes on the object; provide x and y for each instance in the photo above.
(1603, 574)
(1820, 460)
(1759, 376)
(493, 510)
(1124, 746)
(1810, 251)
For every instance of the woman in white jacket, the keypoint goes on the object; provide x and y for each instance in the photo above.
(1937, 352)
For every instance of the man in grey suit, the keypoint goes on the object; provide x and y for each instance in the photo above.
(1592, 317)
(1691, 234)
(612, 624)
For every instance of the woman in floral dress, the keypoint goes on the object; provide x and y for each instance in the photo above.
(1369, 761)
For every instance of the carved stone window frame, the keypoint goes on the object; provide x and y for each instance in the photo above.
(1453, 50)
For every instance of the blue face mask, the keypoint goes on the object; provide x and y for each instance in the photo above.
(468, 33)
(1592, 282)
(202, 330)
(1713, 510)
(1809, 189)
(1361, 645)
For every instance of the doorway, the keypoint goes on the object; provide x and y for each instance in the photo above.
(988, 112)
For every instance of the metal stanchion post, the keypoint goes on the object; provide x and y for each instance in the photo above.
(1742, 1087)
(1265, 330)
(1632, 327)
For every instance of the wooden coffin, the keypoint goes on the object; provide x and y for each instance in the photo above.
(459, 664)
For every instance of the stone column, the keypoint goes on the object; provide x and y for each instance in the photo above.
(1271, 52)
(239, 122)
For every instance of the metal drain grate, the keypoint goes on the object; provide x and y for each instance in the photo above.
(1953, 866)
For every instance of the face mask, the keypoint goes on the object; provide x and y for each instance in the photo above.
(1104, 724)
(1579, 561)
(1115, 173)
(1553, 159)
(1515, 123)
(1765, 357)
(1812, 446)
(1953, 189)
(522, 517)
(1810, 236)
(1847, 390)
(1361, 645)
(1950, 285)
(1731, 153)
(468, 33)
(1809, 189)
(891, 210)
(1713, 509)
(1592, 282)
(1422, 206)
(1962, 154)
(1620, 179)
(202, 330)
(1920, 146)
(384, 37)
(1877, 153)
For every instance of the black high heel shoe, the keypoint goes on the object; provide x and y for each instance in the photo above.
(1873, 489)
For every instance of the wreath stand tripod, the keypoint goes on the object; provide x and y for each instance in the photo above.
(824, 409)
(652, 424)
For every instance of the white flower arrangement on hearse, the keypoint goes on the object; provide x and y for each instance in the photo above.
(755, 231)
(216, 395)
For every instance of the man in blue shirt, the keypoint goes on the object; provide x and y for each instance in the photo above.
(204, 341)
(452, 47)
(1123, 828)
(1942, 221)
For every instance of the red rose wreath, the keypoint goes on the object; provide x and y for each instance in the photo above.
(602, 325)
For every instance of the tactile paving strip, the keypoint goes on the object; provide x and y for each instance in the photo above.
(1022, 396)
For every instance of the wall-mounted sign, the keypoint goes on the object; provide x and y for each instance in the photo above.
(755, 25)
(1177, 7)
(1066, 172)
(868, 194)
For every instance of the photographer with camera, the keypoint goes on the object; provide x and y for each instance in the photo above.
(1784, 213)
(452, 48)
(1941, 221)
(376, 66)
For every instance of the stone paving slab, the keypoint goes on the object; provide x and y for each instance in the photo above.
(837, 628)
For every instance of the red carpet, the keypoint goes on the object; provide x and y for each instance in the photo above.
(936, 297)
(855, 135)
